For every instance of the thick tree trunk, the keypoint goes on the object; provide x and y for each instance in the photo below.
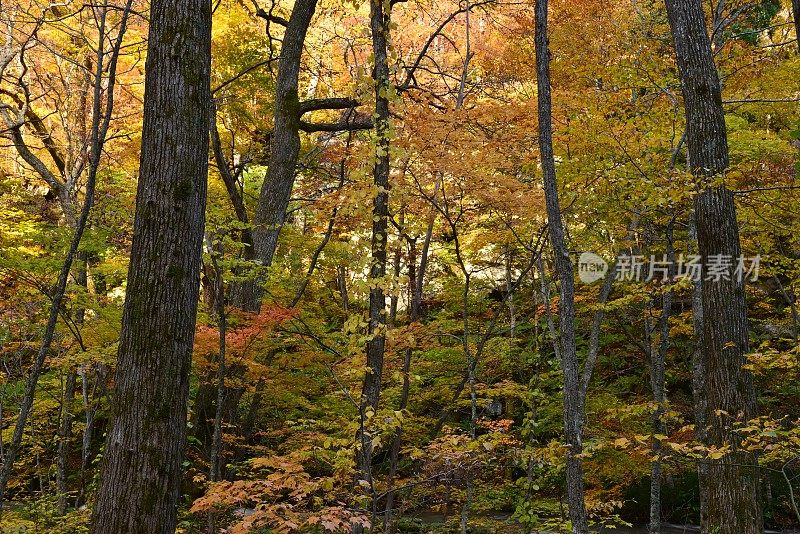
(573, 406)
(141, 472)
(285, 149)
(732, 482)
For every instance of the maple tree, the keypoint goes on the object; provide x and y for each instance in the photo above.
(395, 328)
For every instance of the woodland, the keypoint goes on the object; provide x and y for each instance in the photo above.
(399, 266)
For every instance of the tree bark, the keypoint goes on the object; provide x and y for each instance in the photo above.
(371, 388)
(81, 275)
(285, 149)
(796, 16)
(91, 403)
(141, 472)
(731, 487)
(658, 359)
(215, 468)
(698, 375)
(573, 406)
(64, 435)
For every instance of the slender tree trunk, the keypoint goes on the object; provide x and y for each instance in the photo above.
(698, 376)
(732, 482)
(341, 282)
(216, 443)
(396, 266)
(239, 207)
(416, 281)
(101, 119)
(376, 346)
(796, 16)
(64, 435)
(285, 149)
(215, 462)
(512, 311)
(573, 407)
(394, 454)
(65, 432)
(252, 410)
(141, 473)
(91, 399)
(658, 358)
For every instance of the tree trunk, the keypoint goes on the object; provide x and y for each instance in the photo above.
(796, 15)
(396, 265)
(573, 407)
(285, 149)
(699, 377)
(371, 388)
(416, 281)
(141, 472)
(215, 469)
(64, 435)
(239, 207)
(252, 410)
(81, 276)
(732, 487)
(91, 403)
(658, 359)
(215, 460)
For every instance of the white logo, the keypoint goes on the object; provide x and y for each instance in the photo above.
(591, 268)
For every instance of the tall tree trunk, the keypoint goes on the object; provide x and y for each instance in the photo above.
(215, 460)
(141, 472)
(416, 281)
(396, 265)
(215, 470)
(285, 149)
(658, 359)
(81, 276)
(394, 454)
(371, 388)
(91, 403)
(699, 377)
(796, 15)
(239, 207)
(732, 486)
(64, 435)
(573, 406)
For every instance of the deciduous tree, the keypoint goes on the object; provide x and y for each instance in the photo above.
(140, 477)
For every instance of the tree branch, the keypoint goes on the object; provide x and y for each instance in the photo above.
(343, 126)
(318, 104)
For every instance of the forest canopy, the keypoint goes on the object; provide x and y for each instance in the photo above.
(399, 266)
